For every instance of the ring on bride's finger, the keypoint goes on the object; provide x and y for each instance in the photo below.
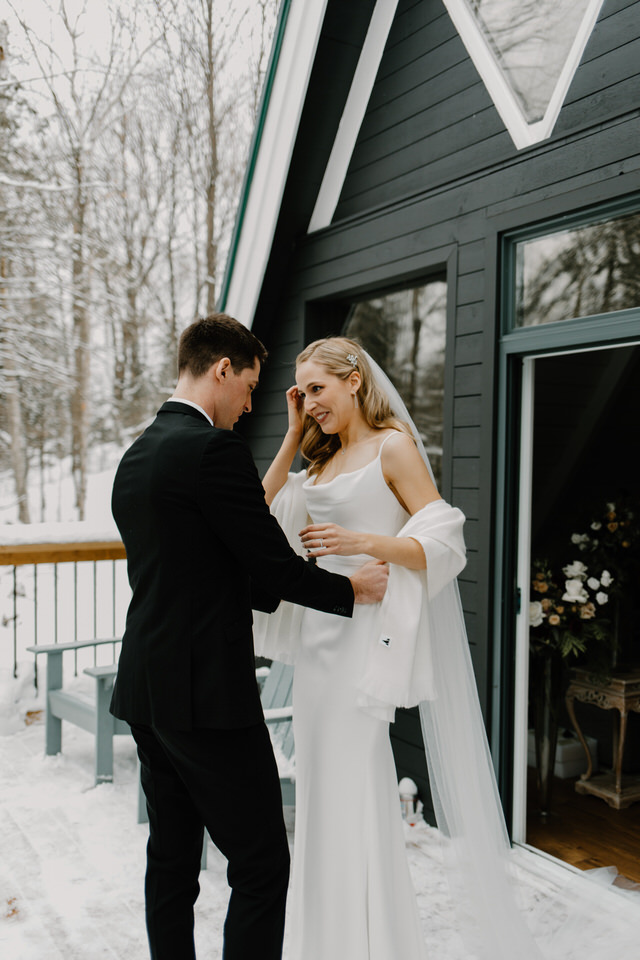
(321, 543)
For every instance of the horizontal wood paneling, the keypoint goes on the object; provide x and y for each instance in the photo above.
(468, 500)
(467, 441)
(429, 108)
(469, 595)
(466, 472)
(472, 534)
(468, 349)
(468, 381)
(471, 258)
(470, 317)
(466, 411)
(470, 572)
(359, 251)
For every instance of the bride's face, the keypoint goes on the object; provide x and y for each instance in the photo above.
(326, 398)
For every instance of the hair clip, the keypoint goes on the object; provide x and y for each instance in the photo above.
(352, 358)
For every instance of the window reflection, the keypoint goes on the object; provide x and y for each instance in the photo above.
(405, 332)
(531, 40)
(578, 273)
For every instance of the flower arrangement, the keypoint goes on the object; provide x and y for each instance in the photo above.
(612, 539)
(565, 614)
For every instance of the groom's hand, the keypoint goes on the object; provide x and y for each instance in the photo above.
(370, 582)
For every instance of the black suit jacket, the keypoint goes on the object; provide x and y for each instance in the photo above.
(202, 549)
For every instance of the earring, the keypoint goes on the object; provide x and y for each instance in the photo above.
(355, 400)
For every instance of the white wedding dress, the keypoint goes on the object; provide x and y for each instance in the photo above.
(352, 897)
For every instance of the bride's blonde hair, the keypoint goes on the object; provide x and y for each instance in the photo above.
(340, 356)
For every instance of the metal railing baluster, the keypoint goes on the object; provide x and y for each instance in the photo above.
(60, 596)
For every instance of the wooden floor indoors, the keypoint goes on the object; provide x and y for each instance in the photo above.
(585, 831)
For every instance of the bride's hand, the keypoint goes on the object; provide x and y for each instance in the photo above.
(324, 539)
(295, 411)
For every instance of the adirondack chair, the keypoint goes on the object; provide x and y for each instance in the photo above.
(91, 713)
(276, 703)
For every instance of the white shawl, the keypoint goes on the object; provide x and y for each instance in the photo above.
(398, 669)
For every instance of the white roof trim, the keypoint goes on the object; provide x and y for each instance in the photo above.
(297, 56)
(353, 114)
(522, 133)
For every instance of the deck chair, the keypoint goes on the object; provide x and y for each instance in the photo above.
(276, 703)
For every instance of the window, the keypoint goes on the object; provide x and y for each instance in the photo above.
(527, 52)
(592, 269)
(405, 333)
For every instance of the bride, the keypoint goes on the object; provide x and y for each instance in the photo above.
(368, 493)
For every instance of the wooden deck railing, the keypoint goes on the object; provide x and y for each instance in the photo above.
(62, 592)
(22, 553)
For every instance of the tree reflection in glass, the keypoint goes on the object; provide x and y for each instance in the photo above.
(531, 41)
(578, 273)
(405, 332)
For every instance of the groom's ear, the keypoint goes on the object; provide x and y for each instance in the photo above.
(221, 368)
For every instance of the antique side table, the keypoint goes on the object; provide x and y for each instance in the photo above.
(621, 692)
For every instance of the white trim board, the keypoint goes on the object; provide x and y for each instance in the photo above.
(523, 133)
(520, 725)
(297, 56)
(353, 114)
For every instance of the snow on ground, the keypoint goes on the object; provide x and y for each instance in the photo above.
(72, 858)
(72, 531)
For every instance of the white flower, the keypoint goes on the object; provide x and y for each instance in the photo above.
(592, 583)
(602, 598)
(574, 591)
(575, 570)
(611, 508)
(579, 538)
(536, 614)
(606, 579)
(596, 525)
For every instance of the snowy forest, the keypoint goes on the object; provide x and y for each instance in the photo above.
(124, 134)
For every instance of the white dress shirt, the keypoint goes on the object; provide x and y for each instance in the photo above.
(196, 406)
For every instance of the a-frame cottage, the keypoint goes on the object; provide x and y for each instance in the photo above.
(457, 182)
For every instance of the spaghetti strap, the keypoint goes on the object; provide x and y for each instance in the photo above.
(393, 433)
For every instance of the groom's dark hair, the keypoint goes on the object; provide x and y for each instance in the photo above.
(206, 341)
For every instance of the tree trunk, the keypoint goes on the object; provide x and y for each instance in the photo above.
(19, 461)
(81, 351)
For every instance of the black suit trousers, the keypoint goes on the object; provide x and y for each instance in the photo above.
(226, 781)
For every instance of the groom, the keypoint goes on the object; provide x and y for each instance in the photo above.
(202, 550)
